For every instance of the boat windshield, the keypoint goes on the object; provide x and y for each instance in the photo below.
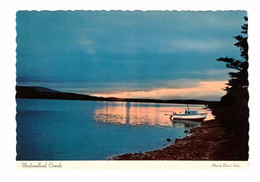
(191, 112)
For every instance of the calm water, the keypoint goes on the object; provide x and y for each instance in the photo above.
(91, 130)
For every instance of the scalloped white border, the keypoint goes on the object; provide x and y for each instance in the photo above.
(7, 79)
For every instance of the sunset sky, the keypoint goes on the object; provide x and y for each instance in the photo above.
(153, 54)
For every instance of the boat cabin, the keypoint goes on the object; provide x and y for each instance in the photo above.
(188, 112)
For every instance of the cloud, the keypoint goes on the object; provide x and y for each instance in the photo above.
(87, 45)
(115, 51)
(145, 86)
(196, 45)
(217, 72)
(206, 89)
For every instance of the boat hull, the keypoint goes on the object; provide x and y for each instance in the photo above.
(195, 117)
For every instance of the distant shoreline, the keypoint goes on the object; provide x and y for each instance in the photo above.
(30, 92)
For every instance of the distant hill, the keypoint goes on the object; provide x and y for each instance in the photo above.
(43, 89)
(46, 93)
(31, 92)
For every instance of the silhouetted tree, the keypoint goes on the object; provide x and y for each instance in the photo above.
(237, 86)
(235, 103)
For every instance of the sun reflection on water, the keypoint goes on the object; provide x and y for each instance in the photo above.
(148, 114)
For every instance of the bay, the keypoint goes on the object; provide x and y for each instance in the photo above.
(95, 130)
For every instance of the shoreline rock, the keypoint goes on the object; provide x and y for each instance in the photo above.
(206, 142)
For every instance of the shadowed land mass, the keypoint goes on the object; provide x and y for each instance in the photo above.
(31, 92)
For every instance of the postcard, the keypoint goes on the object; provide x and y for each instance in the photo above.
(132, 89)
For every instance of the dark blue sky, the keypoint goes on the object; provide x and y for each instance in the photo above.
(96, 52)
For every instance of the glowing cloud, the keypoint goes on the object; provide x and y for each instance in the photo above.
(206, 90)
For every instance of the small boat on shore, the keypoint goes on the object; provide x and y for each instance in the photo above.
(189, 115)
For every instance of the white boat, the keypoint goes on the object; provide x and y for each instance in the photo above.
(189, 115)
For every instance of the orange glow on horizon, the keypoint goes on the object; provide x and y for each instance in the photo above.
(206, 88)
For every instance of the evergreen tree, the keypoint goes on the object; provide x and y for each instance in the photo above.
(237, 86)
(234, 104)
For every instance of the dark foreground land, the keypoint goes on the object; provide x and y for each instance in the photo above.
(210, 141)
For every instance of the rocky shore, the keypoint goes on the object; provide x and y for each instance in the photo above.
(200, 144)
(209, 141)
